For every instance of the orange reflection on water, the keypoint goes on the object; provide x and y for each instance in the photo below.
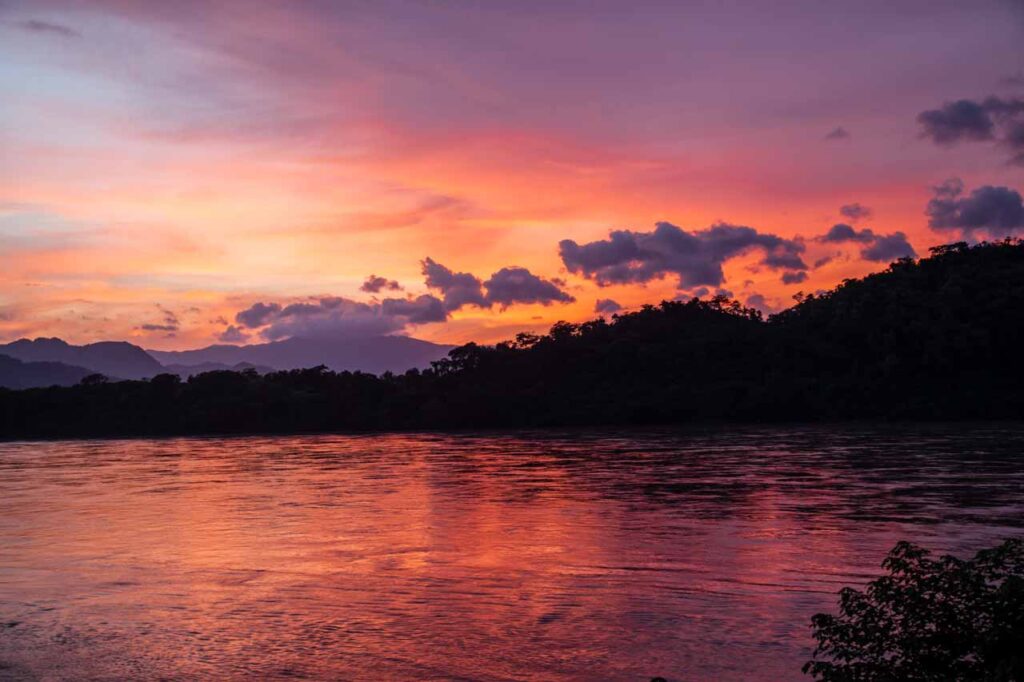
(530, 556)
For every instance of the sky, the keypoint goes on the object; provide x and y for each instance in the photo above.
(188, 173)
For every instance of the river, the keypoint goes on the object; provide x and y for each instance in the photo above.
(560, 555)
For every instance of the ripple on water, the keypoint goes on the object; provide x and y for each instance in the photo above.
(611, 555)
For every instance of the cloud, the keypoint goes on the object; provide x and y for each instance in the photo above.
(955, 121)
(334, 324)
(695, 258)
(505, 287)
(39, 26)
(841, 232)
(159, 327)
(877, 247)
(458, 288)
(334, 316)
(837, 133)
(888, 248)
(794, 277)
(425, 308)
(233, 335)
(997, 210)
(761, 303)
(607, 305)
(855, 211)
(169, 316)
(993, 119)
(1014, 139)
(257, 314)
(329, 316)
(337, 317)
(375, 284)
(518, 285)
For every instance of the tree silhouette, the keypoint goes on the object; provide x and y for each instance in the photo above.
(928, 620)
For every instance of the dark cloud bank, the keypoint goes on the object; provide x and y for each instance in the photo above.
(995, 211)
(994, 119)
(338, 317)
(878, 248)
(506, 287)
(693, 258)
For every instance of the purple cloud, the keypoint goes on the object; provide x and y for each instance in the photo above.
(694, 258)
(458, 288)
(375, 284)
(425, 308)
(841, 232)
(518, 285)
(257, 314)
(997, 210)
(887, 248)
(877, 247)
(993, 119)
(854, 211)
(233, 335)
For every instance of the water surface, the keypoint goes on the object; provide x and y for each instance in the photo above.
(544, 556)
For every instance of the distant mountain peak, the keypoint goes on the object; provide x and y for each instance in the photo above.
(115, 359)
(17, 374)
(373, 354)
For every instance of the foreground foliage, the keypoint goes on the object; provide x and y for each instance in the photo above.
(938, 338)
(929, 619)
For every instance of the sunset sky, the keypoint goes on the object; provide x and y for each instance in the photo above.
(184, 173)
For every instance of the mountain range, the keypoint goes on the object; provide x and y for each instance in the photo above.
(27, 363)
(375, 354)
(17, 374)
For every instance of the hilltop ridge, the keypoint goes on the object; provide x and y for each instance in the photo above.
(932, 339)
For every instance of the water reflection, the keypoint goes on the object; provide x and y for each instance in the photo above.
(695, 555)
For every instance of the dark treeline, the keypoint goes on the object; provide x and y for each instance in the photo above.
(939, 338)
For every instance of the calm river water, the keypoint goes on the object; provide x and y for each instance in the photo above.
(697, 555)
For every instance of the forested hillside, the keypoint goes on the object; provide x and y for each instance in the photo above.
(938, 338)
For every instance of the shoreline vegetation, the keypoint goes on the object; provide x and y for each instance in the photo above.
(934, 339)
(928, 619)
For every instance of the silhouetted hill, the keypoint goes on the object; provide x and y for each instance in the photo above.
(374, 354)
(111, 358)
(185, 371)
(935, 339)
(17, 374)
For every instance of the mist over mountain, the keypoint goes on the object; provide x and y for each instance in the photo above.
(17, 374)
(114, 359)
(374, 354)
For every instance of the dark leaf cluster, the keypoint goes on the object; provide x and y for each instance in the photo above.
(928, 620)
